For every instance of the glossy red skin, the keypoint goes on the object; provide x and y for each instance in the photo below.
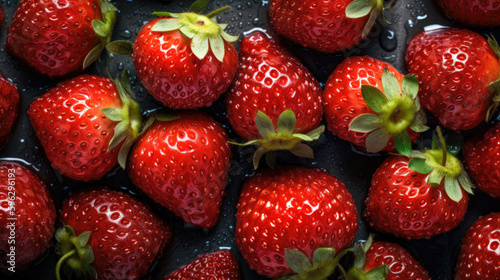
(2, 17)
(174, 76)
(401, 202)
(343, 99)
(73, 131)
(9, 108)
(271, 80)
(402, 265)
(183, 165)
(321, 25)
(454, 67)
(52, 37)
(296, 208)
(35, 213)
(478, 13)
(126, 236)
(220, 265)
(479, 257)
(482, 158)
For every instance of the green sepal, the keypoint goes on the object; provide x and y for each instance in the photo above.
(357, 271)
(418, 125)
(103, 29)
(286, 122)
(359, 8)
(378, 273)
(120, 47)
(113, 113)
(166, 14)
(365, 123)
(76, 255)
(452, 188)
(409, 85)
(402, 142)
(164, 25)
(419, 165)
(297, 261)
(435, 178)
(390, 84)
(323, 264)
(466, 183)
(199, 6)
(217, 46)
(199, 46)
(265, 125)
(376, 141)
(374, 98)
(492, 41)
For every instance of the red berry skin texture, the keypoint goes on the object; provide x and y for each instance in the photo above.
(183, 165)
(220, 265)
(344, 101)
(9, 107)
(271, 80)
(402, 265)
(126, 236)
(52, 37)
(482, 157)
(72, 129)
(35, 213)
(292, 208)
(478, 13)
(479, 257)
(174, 76)
(401, 202)
(321, 25)
(2, 17)
(454, 68)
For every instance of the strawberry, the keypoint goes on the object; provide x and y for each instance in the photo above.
(408, 198)
(60, 38)
(2, 17)
(109, 235)
(26, 208)
(182, 162)
(479, 257)
(220, 265)
(288, 216)
(458, 73)
(478, 13)
(274, 90)
(373, 106)
(9, 107)
(82, 124)
(385, 260)
(322, 25)
(185, 61)
(482, 156)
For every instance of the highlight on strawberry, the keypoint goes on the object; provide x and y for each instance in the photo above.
(191, 65)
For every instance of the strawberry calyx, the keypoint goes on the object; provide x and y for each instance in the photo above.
(441, 164)
(323, 264)
(495, 85)
(76, 255)
(396, 111)
(128, 118)
(103, 29)
(280, 138)
(361, 8)
(357, 271)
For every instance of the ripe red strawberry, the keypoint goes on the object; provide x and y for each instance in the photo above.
(479, 258)
(82, 124)
(457, 70)
(9, 107)
(60, 38)
(109, 235)
(2, 17)
(220, 265)
(272, 81)
(373, 106)
(288, 214)
(408, 199)
(482, 157)
(182, 163)
(387, 260)
(322, 25)
(479, 13)
(26, 208)
(185, 61)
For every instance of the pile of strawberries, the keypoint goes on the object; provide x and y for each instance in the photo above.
(292, 222)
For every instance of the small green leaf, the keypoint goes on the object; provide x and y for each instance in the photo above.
(418, 124)
(83, 238)
(91, 270)
(465, 182)
(371, 21)
(378, 273)
(199, 6)
(323, 255)
(217, 47)
(199, 46)
(417, 154)
(436, 143)
(228, 38)
(286, 122)
(359, 8)
(452, 188)
(166, 14)
(374, 98)
(297, 260)
(257, 156)
(365, 123)
(187, 31)
(435, 178)
(121, 132)
(113, 113)
(390, 85)
(303, 150)
(124, 151)
(303, 137)
(271, 159)
(376, 141)
(492, 41)
(264, 125)
(251, 142)
(419, 165)
(120, 47)
(164, 25)
(92, 56)
(100, 28)
(221, 25)
(316, 133)
(402, 142)
(409, 84)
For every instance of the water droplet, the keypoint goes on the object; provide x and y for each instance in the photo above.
(388, 40)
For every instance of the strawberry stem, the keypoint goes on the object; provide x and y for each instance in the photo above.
(61, 261)
(220, 10)
(443, 145)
